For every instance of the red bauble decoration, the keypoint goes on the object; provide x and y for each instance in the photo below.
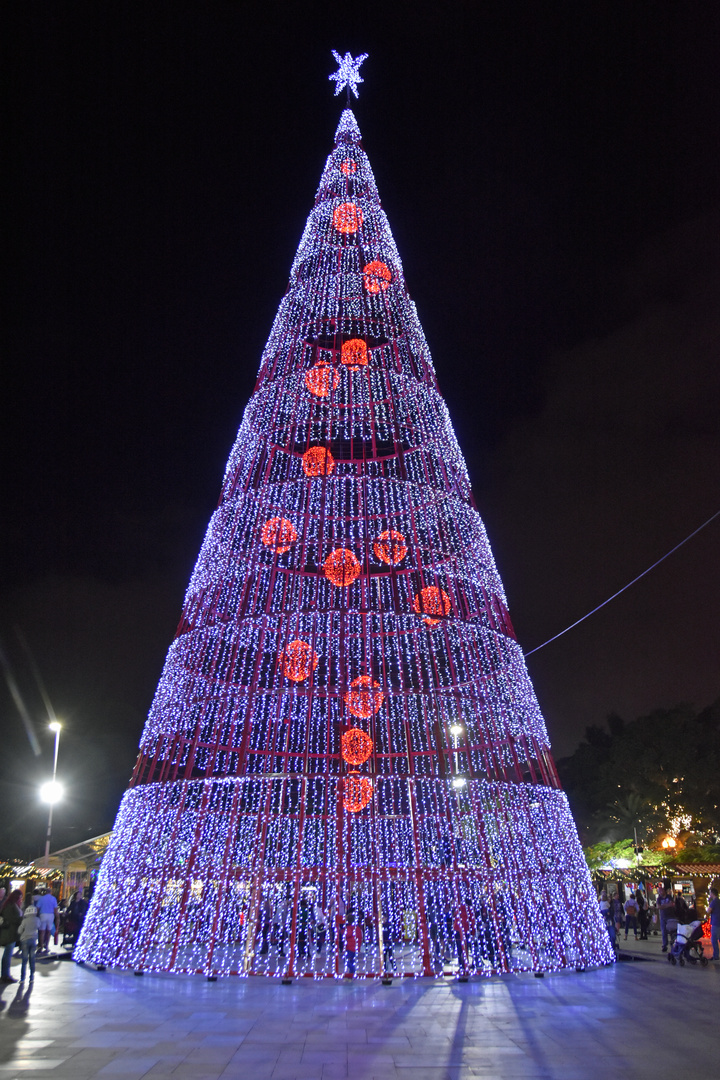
(390, 547)
(322, 378)
(341, 567)
(317, 461)
(298, 661)
(354, 354)
(348, 167)
(376, 276)
(356, 746)
(364, 697)
(357, 792)
(432, 601)
(347, 217)
(279, 533)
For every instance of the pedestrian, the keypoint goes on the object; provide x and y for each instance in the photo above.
(713, 911)
(265, 923)
(682, 910)
(643, 914)
(11, 915)
(461, 926)
(47, 906)
(76, 912)
(353, 941)
(280, 920)
(28, 938)
(631, 913)
(303, 926)
(607, 913)
(388, 951)
(320, 925)
(666, 910)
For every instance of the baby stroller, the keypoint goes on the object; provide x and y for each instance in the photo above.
(687, 948)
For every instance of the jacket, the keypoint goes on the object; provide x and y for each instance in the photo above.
(30, 925)
(11, 915)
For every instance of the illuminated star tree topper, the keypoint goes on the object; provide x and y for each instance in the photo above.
(348, 73)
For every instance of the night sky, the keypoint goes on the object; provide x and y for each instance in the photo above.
(551, 172)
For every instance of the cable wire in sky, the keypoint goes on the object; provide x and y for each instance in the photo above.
(587, 616)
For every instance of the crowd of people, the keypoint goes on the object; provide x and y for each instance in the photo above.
(350, 927)
(30, 924)
(662, 910)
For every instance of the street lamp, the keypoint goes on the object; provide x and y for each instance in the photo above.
(51, 792)
(456, 731)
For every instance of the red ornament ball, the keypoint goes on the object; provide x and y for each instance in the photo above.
(322, 378)
(364, 697)
(347, 218)
(298, 661)
(376, 276)
(357, 792)
(341, 567)
(279, 533)
(356, 746)
(432, 601)
(317, 461)
(390, 547)
(354, 354)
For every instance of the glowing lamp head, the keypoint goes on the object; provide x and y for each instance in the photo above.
(354, 354)
(376, 277)
(432, 601)
(459, 782)
(279, 534)
(347, 218)
(364, 697)
(55, 726)
(52, 791)
(390, 547)
(669, 842)
(317, 461)
(321, 379)
(341, 567)
(455, 730)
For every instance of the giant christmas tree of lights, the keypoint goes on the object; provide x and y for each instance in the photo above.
(345, 767)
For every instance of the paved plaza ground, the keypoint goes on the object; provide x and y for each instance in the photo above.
(636, 1019)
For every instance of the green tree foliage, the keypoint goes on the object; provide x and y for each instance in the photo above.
(656, 774)
(708, 853)
(603, 853)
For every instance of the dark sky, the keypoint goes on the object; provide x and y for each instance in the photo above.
(551, 172)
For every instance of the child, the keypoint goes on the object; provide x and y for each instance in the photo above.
(28, 938)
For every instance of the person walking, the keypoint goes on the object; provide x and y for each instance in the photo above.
(320, 925)
(387, 940)
(47, 906)
(713, 911)
(666, 910)
(643, 913)
(28, 938)
(607, 913)
(353, 941)
(631, 913)
(11, 915)
(304, 916)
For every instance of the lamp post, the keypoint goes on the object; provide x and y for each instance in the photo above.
(456, 731)
(52, 791)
